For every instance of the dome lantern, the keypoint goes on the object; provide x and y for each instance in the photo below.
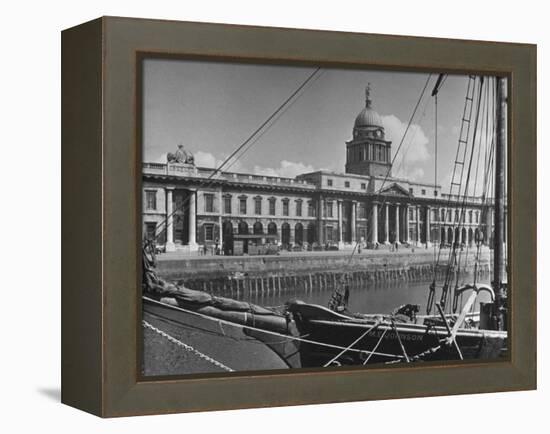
(368, 117)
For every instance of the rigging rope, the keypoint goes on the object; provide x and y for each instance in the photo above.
(269, 332)
(164, 222)
(384, 199)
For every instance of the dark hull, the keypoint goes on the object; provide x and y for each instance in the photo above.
(420, 342)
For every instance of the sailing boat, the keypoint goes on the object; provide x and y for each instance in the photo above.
(404, 336)
(309, 335)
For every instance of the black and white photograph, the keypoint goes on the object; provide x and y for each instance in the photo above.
(314, 217)
(302, 216)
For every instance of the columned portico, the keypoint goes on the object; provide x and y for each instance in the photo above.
(196, 216)
(170, 246)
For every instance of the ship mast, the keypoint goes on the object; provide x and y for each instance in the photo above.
(500, 163)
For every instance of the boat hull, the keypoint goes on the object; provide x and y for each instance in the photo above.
(393, 342)
(226, 340)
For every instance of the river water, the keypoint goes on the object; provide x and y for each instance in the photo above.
(378, 297)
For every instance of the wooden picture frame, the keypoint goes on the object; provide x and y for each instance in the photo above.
(100, 223)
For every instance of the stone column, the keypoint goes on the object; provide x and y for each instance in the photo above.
(321, 206)
(353, 221)
(418, 238)
(340, 235)
(406, 211)
(374, 225)
(397, 237)
(428, 227)
(170, 246)
(387, 225)
(220, 219)
(488, 225)
(192, 220)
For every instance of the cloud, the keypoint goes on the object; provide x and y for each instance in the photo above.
(206, 159)
(209, 160)
(455, 130)
(414, 150)
(161, 159)
(412, 174)
(286, 169)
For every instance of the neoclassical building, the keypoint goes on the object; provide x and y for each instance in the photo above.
(185, 206)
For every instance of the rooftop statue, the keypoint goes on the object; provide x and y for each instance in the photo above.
(181, 156)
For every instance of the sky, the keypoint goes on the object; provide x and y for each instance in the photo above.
(213, 107)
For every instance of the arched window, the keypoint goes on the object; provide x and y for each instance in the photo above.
(243, 228)
(258, 228)
(299, 233)
(272, 228)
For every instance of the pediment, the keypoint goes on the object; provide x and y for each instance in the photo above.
(395, 190)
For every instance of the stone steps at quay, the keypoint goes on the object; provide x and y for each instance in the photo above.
(267, 274)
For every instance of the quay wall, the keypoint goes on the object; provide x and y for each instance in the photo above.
(267, 274)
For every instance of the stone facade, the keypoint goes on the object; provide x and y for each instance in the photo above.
(186, 207)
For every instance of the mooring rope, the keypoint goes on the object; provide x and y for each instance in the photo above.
(187, 347)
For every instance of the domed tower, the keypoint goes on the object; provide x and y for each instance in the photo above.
(368, 153)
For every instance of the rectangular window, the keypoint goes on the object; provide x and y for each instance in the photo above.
(329, 182)
(150, 231)
(298, 208)
(470, 216)
(442, 215)
(449, 215)
(271, 206)
(411, 214)
(151, 200)
(456, 215)
(362, 211)
(242, 205)
(285, 207)
(477, 216)
(363, 186)
(227, 204)
(258, 206)
(208, 232)
(208, 202)
(435, 193)
(346, 184)
(329, 233)
(411, 191)
(328, 210)
(423, 192)
(310, 209)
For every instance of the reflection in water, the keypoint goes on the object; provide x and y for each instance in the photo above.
(374, 298)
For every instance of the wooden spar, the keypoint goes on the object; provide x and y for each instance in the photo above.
(451, 339)
(500, 162)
